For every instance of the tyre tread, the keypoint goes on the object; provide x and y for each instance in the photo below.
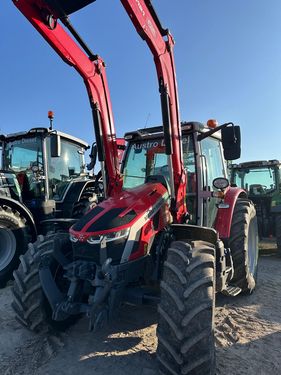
(186, 310)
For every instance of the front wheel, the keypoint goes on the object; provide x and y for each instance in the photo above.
(243, 244)
(186, 312)
(29, 303)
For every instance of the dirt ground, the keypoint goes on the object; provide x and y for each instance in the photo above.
(248, 337)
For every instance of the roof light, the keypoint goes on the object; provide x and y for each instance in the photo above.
(212, 123)
(50, 115)
(128, 137)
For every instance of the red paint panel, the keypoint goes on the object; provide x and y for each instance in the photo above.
(140, 200)
(224, 215)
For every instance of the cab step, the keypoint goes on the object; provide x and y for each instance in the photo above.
(231, 291)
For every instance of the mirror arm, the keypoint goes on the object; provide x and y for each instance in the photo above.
(212, 131)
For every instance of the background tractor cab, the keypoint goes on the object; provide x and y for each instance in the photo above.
(203, 154)
(42, 181)
(45, 163)
(261, 179)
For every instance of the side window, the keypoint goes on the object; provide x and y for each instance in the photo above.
(189, 163)
(215, 166)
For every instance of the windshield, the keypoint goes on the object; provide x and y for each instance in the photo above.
(61, 170)
(257, 181)
(146, 158)
(25, 158)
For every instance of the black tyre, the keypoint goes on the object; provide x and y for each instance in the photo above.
(30, 305)
(13, 241)
(278, 233)
(243, 243)
(186, 312)
(87, 201)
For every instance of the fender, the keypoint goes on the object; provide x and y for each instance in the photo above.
(76, 189)
(24, 211)
(184, 232)
(224, 215)
(73, 194)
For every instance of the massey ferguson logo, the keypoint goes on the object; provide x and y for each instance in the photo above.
(140, 7)
(81, 237)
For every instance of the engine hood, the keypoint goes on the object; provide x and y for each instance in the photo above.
(122, 211)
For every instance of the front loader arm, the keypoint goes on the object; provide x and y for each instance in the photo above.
(92, 70)
(147, 24)
(44, 14)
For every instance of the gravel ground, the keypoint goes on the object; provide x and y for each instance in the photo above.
(248, 337)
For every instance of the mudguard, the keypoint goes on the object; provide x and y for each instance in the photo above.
(224, 214)
(76, 189)
(72, 195)
(24, 211)
(184, 232)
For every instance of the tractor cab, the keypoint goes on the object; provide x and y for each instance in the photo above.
(261, 179)
(146, 160)
(44, 162)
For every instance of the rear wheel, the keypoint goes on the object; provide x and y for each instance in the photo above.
(186, 312)
(278, 233)
(243, 243)
(13, 241)
(30, 305)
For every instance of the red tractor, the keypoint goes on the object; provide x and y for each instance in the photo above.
(162, 234)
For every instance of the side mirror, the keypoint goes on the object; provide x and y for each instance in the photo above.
(93, 157)
(231, 142)
(55, 145)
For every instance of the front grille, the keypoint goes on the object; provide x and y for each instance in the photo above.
(85, 251)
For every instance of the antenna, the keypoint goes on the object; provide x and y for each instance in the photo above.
(147, 118)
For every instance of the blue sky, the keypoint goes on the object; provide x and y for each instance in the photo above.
(228, 59)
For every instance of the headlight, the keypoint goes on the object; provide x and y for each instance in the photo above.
(73, 238)
(112, 236)
(220, 183)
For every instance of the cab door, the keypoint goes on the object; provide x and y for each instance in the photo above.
(212, 166)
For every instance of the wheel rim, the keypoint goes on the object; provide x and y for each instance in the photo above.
(252, 248)
(7, 247)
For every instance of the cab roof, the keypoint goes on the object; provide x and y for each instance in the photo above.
(44, 131)
(190, 126)
(256, 164)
